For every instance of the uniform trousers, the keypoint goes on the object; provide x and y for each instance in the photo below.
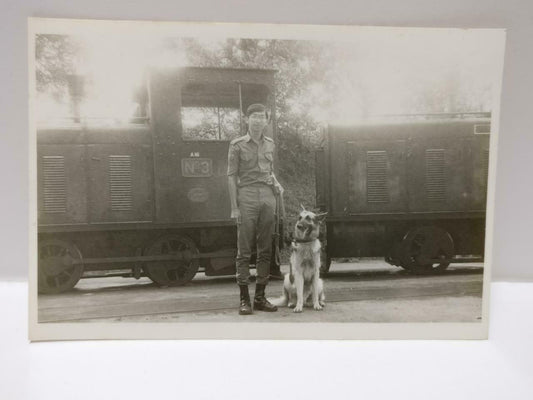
(257, 204)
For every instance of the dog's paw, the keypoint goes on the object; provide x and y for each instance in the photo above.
(322, 303)
(298, 309)
(317, 306)
(291, 305)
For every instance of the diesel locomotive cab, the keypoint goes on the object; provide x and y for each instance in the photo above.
(149, 197)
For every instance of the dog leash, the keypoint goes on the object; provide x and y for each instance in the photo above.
(277, 256)
(275, 260)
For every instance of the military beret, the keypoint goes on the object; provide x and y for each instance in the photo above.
(255, 108)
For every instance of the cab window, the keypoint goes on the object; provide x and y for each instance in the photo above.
(210, 123)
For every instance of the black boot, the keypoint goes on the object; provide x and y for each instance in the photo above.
(245, 307)
(260, 301)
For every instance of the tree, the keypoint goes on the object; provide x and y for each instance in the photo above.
(55, 63)
(302, 67)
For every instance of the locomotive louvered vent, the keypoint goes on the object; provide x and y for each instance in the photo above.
(377, 190)
(120, 183)
(435, 175)
(54, 184)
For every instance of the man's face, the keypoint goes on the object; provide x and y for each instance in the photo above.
(257, 122)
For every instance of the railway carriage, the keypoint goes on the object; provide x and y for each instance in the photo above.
(411, 190)
(148, 198)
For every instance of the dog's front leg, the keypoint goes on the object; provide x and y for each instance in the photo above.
(299, 283)
(292, 297)
(316, 292)
(317, 284)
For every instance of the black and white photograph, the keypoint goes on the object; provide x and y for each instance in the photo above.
(232, 181)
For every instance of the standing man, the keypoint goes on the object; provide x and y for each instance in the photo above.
(252, 189)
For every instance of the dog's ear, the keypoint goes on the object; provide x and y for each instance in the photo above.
(303, 208)
(321, 216)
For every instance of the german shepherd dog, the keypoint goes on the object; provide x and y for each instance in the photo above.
(302, 285)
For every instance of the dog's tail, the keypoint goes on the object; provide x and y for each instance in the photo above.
(281, 301)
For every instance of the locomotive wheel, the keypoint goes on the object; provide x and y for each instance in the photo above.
(172, 273)
(56, 268)
(394, 256)
(423, 244)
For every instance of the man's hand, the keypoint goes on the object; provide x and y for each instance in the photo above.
(236, 215)
(278, 189)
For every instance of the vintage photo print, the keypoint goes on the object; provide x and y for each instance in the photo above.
(249, 181)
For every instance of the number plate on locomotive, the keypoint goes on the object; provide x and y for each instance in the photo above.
(196, 167)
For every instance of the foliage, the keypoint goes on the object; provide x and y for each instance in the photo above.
(450, 94)
(55, 63)
(299, 67)
(210, 123)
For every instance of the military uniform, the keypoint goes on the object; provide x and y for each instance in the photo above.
(252, 163)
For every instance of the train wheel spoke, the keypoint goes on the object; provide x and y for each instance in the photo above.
(172, 273)
(426, 243)
(55, 270)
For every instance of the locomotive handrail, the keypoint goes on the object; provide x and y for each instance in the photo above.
(82, 121)
(479, 114)
(183, 255)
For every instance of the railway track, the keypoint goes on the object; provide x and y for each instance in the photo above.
(220, 295)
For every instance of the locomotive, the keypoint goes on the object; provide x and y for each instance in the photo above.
(410, 189)
(151, 198)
